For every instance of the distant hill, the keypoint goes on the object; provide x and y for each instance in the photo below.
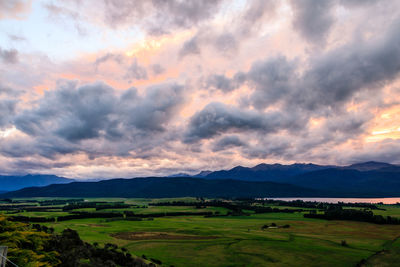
(181, 174)
(166, 187)
(11, 183)
(265, 172)
(202, 174)
(371, 165)
(367, 178)
(377, 181)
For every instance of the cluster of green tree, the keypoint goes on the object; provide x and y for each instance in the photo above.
(74, 252)
(26, 245)
(53, 202)
(314, 204)
(48, 209)
(43, 228)
(35, 245)
(352, 215)
(235, 207)
(16, 206)
(21, 201)
(113, 206)
(128, 215)
(163, 214)
(89, 215)
(27, 219)
(82, 205)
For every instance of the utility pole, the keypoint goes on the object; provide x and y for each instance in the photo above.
(3, 256)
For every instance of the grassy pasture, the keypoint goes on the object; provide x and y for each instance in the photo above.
(239, 240)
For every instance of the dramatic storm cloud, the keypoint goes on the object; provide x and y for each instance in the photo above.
(130, 88)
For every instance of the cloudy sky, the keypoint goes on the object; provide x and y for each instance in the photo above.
(115, 88)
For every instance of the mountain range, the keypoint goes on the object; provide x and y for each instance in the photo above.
(11, 183)
(158, 187)
(368, 179)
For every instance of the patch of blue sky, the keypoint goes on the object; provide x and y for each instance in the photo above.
(63, 38)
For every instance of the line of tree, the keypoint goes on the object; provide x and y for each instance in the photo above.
(89, 215)
(17, 206)
(235, 207)
(27, 219)
(314, 204)
(53, 202)
(353, 215)
(82, 205)
(113, 206)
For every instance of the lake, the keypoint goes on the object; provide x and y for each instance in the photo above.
(387, 200)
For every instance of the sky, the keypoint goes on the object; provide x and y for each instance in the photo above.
(128, 88)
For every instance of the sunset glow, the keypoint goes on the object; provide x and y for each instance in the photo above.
(98, 89)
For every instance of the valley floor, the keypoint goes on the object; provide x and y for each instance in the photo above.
(241, 240)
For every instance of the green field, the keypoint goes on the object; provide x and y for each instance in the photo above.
(239, 240)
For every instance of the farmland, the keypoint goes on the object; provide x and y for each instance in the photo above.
(194, 232)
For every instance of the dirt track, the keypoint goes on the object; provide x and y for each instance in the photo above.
(157, 235)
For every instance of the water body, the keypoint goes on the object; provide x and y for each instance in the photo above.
(387, 200)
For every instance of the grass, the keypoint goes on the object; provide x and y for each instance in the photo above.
(240, 241)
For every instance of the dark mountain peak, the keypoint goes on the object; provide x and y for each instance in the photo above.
(264, 167)
(202, 174)
(239, 168)
(370, 165)
(8, 183)
(181, 174)
(281, 167)
(155, 187)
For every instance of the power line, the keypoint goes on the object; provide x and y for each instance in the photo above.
(9, 261)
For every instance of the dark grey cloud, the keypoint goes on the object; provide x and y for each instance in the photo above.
(334, 77)
(63, 14)
(8, 56)
(255, 13)
(329, 80)
(7, 110)
(323, 88)
(227, 142)
(8, 92)
(70, 112)
(227, 41)
(217, 118)
(8, 104)
(109, 57)
(96, 111)
(190, 47)
(273, 146)
(220, 82)
(159, 16)
(313, 19)
(387, 150)
(16, 38)
(157, 69)
(29, 166)
(136, 71)
(360, 3)
(272, 79)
